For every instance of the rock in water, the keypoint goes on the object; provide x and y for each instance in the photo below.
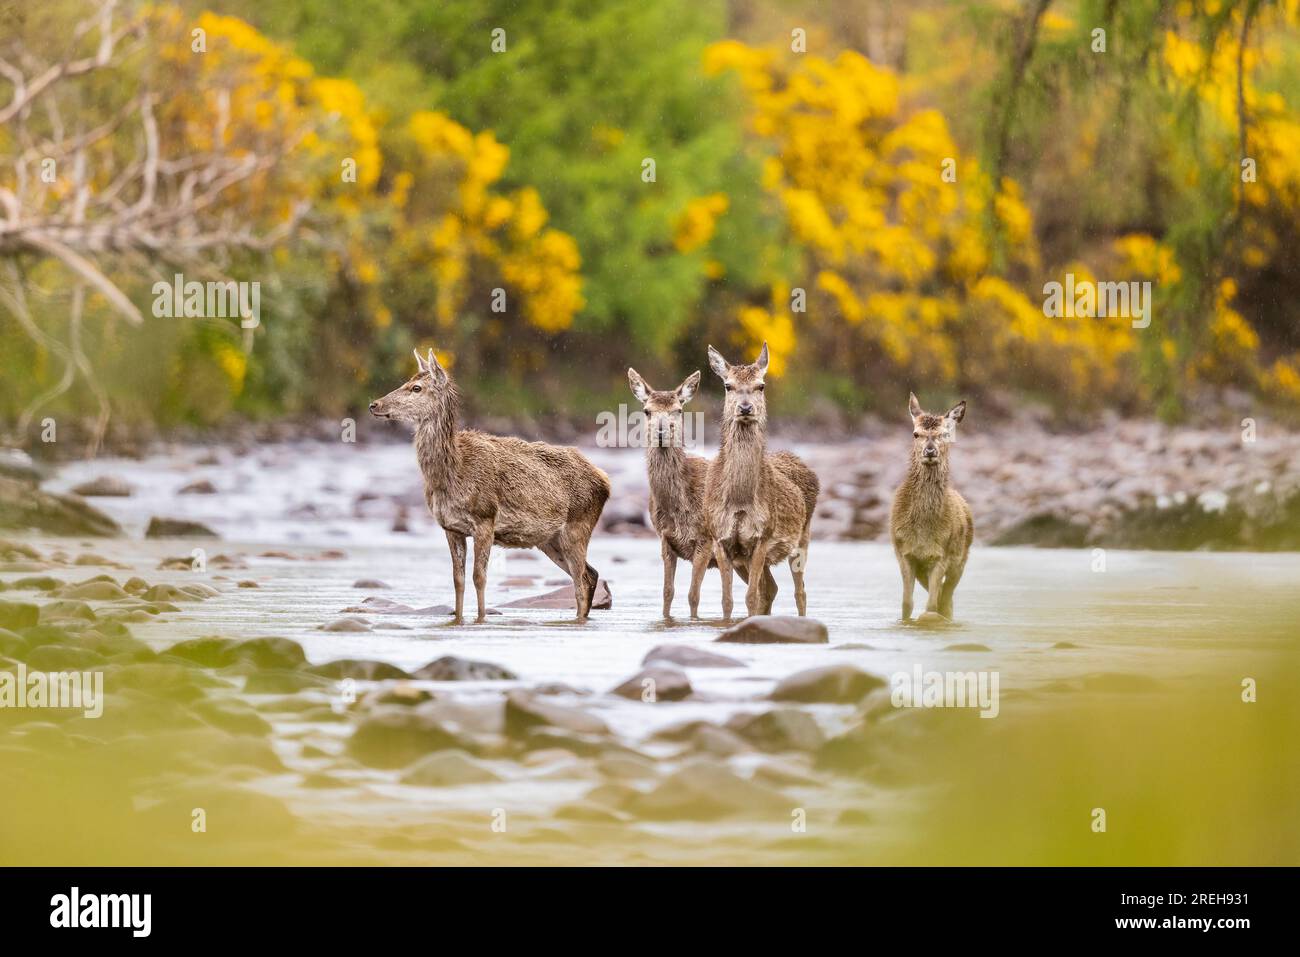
(785, 729)
(17, 614)
(201, 487)
(94, 591)
(105, 486)
(449, 768)
(177, 528)
(346, 624)
(563, 598)
(271, 652)
(17, 464)
(705, 789)
(451, 668)
(839, 684)
(393, 736)
(655, 684)
(776, 629)
(525, 711)
(688, 656)
(23, 505)
(358, 669)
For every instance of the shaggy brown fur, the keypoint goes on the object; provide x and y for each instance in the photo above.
(759, 506)
(497, 489)
(930, 524)
(676, 489)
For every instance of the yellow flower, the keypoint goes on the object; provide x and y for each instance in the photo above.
(696, 224)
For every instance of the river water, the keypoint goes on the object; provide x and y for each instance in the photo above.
(301, 520)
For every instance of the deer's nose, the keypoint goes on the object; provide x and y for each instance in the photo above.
(374, 405)
(746, 408)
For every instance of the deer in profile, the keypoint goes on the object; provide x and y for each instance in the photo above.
(677, 483)
(759, 506)
(497, 489)
(930, 524)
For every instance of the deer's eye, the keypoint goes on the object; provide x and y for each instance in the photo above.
(916, 435)
(415, 388)
(759, 387)
(728, 386)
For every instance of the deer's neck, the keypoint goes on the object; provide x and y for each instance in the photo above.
(928, 485)
(669, 477)
(743, 450)
(436, 449)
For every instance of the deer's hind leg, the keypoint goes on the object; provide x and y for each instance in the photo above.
(456, 542)
(935, 587)
(769, 590)
(562, 551)
(950, 581)
(799, 561)
(583, 588)
(483, 535)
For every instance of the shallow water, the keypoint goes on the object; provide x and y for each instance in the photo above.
(1038, 618)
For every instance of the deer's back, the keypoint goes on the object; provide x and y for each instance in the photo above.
(533, 489)
(804, 478)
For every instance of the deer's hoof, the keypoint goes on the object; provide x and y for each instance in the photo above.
(931, 618)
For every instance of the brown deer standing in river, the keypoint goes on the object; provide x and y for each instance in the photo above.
(497, 489)
(930, 524)
(759, 506)
(676, 489)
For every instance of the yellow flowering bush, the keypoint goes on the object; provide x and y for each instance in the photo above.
(454, 172)
(895, 224)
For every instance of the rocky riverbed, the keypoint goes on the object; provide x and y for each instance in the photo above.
(1131, 484)
(309, 701)
(283, 684)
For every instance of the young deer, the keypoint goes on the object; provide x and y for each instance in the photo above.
(759, 506)
(676, 489)
(497, 489)
(930, 524)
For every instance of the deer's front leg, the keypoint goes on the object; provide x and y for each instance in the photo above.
(456, 542)
(670, 575)
(909, 585)
(757, 566)
(724, 572)
(699, 565)
(482, 549)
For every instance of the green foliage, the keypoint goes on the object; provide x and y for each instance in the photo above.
(582, 94)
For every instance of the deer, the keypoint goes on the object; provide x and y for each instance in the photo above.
(497, 490)
(930, 524)
(677, 483)
(759, 506)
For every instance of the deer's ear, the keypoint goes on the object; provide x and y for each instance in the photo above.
(639, 388)
(435, 367)
(686, 391)
(914, 407)
(761, 361)
(718, 364)
(419, 361)
(957, 412)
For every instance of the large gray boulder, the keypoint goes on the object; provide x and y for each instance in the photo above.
(776, 629)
